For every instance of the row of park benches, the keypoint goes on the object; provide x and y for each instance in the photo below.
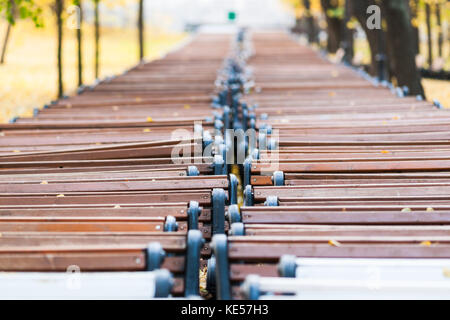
(350, 178)
(92, 191)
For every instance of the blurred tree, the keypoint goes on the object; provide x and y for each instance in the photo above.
(310, 24)
(11, 10)
(348, 33)
(402, 54)
(78, 29)
(429, 39)
(375, 38)
(96, 39)
(414, 9)
(334, 14)
(141, 29)
(439, 27)
(18, 9)
(59, 6)
(305, 22)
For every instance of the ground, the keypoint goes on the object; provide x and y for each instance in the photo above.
(436, 89)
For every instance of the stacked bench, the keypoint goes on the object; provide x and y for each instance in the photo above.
(125, 184)
(95, 183)
(343, 169)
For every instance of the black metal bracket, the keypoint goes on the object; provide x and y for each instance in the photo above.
(193, 171)
(170, 225)
(437, 104)
(218, 211)
(248, 196)
(287, 266)
(278, 178)
(163, 283)
(271, 201)
(194, 245)
(211, 275)
(237, 229)
(233, 188)
(194, 212)
(219, 246)
(218, 165)
(233, 213)
(247, 171)
(155, 256)
(255, 154)
(250, 287)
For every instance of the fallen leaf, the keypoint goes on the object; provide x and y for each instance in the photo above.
(429, 209)
(334, 243)
(446, 271)
(385, 151)
(187, 106)
(44, 182)
(16, 151)
(149, 119)
(117, 206)
(60, 195)
(146, 130)
(406, 210)
(425, 243)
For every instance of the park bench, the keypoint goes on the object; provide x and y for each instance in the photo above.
(340, 278)
(236, 257)
(86, 286)
(90, 182)
(341, 169)
(41, 251)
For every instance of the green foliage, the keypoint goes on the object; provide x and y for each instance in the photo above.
(337, 12)
(21, 9)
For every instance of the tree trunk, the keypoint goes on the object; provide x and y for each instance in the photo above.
(334, 27)
(403, 52)
(310, 25)
(79, 43)
(297, 28)
(414, 10)
(58, 10)
(141, 29)
(348, 41)
(439, 24)
(5, 43)
(7, 33)
(97, 39)
(375, 37)
(429, 41)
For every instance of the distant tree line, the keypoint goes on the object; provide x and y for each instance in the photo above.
(393, 47)
(13, 10)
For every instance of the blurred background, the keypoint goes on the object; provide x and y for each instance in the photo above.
(114, 35)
